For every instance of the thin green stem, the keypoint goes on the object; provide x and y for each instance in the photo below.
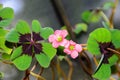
(104, 17)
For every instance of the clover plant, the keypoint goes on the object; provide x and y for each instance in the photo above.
(23, 45)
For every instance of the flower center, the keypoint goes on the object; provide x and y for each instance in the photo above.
(32, 42)
(103, 49)
(59, 38)
(71, 47)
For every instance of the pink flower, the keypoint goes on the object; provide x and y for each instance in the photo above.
(58, 38)
(72, 49)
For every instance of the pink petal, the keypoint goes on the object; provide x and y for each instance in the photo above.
(67, 51)
(51, 38)
(72, 43)
(58, 32)
(55, 44)
(78, 47)
(64, 33)
(74, 54)
(64, 42)
(67, 44)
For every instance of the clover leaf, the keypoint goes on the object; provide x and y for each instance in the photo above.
(6, 16)
(103, 73)
(30, 43)
(98, 43)
(49, 50)
(5, 49)
(100, 35)
(36, 26)
(108, 5)
(23, 62)
(22, 27)
(80, 27)
(43, 60)
(46, 32)
(91, 16)
(116, 37)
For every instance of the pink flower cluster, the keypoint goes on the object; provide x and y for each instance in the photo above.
(58, 39)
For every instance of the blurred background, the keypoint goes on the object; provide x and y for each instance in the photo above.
(44, 11)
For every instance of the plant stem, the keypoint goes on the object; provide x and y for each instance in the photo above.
(53, 72)
(84, 49)
(117, 52)
(111, 78)
(71, 68)
(40, 72)
(86, 67)
(62, 14)
(7, 62)
(27, 73)
(37, 76)
(113, 13)
(105, 17)
(34, 66)
(84, 45)
(95, 60)
(60, 71)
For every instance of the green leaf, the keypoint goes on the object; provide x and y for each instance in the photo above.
(36, 27)
(94, 17)
(86, 15)
(5, 22)
(108, 5)
(3, 46)
(23, 27)
(17, 52)
(116, 37)
(80, 27)
(3, 32)
(48, 49)
(7, 13)
(113, 59)
(101, 35)
(2, 41)
(93, 46)
(1, 75)
(1, 6)
(23, 62)
(91, 16)
(46, 32)
(103, 73)
(63, 28)
(6, 56)
(43, 60)
(13, 36)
